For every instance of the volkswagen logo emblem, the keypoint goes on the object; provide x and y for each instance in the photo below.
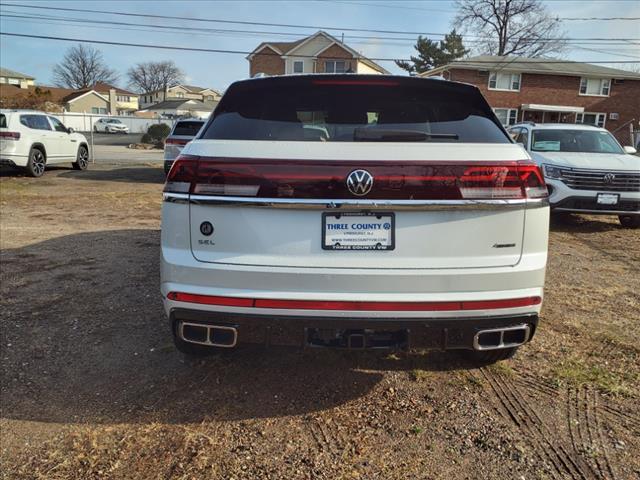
(359, 182)
(609, 178)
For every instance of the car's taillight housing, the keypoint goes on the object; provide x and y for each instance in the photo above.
(176, 141)
(10, 135)
(392, 180)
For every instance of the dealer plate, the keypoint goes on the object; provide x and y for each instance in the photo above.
(358, 231)
(607, 198)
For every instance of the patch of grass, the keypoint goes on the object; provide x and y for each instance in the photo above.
(502, 368)
(419, 375)
(576, 373)
(416, 430)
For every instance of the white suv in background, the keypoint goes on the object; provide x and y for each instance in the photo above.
(32, 140)
(182, 132)
(585, 168)
(354, 211)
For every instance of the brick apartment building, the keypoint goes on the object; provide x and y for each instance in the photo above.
(532, 89)
(317, 53)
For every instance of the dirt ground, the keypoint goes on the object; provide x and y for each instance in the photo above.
(92, 387)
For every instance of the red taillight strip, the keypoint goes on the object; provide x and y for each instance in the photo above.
(11, 135)
(353, 306)
(176, 141)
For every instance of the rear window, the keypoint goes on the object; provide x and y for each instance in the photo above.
(3, 120)
(348, 108)
(188, 129)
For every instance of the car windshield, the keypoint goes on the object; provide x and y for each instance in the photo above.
(588, 141)
(354, 109)
(114, 121)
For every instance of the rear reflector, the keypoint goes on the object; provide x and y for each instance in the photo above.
(10, 135)
(392, 180)
(354, 306)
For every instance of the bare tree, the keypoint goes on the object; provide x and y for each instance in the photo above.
(81, 67)
(152, 76)
(511, 27)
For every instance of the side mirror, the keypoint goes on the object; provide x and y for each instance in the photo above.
(70, 130)
(630, 150)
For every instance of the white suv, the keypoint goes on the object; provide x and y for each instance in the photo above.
(585, 168)
(32, 140)
(182, 132)
(354, 211)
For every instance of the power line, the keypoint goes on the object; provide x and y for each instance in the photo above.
(282, 25)
(216, 31)
(242, 52)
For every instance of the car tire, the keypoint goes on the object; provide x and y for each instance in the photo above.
(487, 357)
(37, 163)
(167, 168)
(95, 128)
(629, 221)
(82, 159)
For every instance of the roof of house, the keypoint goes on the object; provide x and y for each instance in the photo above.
(549, 66)
(5, 72)
(283, 48)
(183, 104)
(50, 94)
(194, 89)
(102, 87)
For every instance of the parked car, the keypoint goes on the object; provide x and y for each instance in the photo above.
(585, 168)
(110, 125)
(181, 133)
(32, 140)
(400, 223)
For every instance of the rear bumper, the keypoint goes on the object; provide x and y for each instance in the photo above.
(334, 331)
(13, 160)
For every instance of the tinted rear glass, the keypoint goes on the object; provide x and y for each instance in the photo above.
(348, 108)
(189, 129)
(3, 120)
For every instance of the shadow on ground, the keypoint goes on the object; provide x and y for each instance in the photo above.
(132, 174)
(85, 339)
(575, 223)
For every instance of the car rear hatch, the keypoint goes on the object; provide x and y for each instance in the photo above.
(355, 172)
(181, 134)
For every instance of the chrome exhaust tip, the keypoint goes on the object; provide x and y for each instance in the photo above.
(497, 338)
(210, 335)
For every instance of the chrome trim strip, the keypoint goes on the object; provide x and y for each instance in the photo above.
(175, 197)
(604, 212)
(324, 204)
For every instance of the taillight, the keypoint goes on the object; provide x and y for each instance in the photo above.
(392, 180)
(175, 141)
(10, 135)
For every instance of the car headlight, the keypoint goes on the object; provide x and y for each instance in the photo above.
(552, 172)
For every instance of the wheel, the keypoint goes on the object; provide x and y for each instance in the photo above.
(36, 164)
(487, 357)
(82, 159)
(167, 168)
(629, 221)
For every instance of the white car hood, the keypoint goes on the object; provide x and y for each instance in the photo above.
(598, 161)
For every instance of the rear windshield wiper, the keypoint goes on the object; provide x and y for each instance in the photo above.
(384, 135)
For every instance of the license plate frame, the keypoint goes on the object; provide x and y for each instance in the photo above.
(390, 244)
(609, 198)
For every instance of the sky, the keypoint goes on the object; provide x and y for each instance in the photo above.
(37, 57)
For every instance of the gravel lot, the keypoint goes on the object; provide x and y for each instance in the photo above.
(92, 387)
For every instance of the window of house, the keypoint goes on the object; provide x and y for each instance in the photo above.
(179, 95)
(298, 67)
(334, 66)
(507, 116)
(123, 98)
(99, 110)
(591, 118)
(595, 86)
(504, 81)
(209, 98)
